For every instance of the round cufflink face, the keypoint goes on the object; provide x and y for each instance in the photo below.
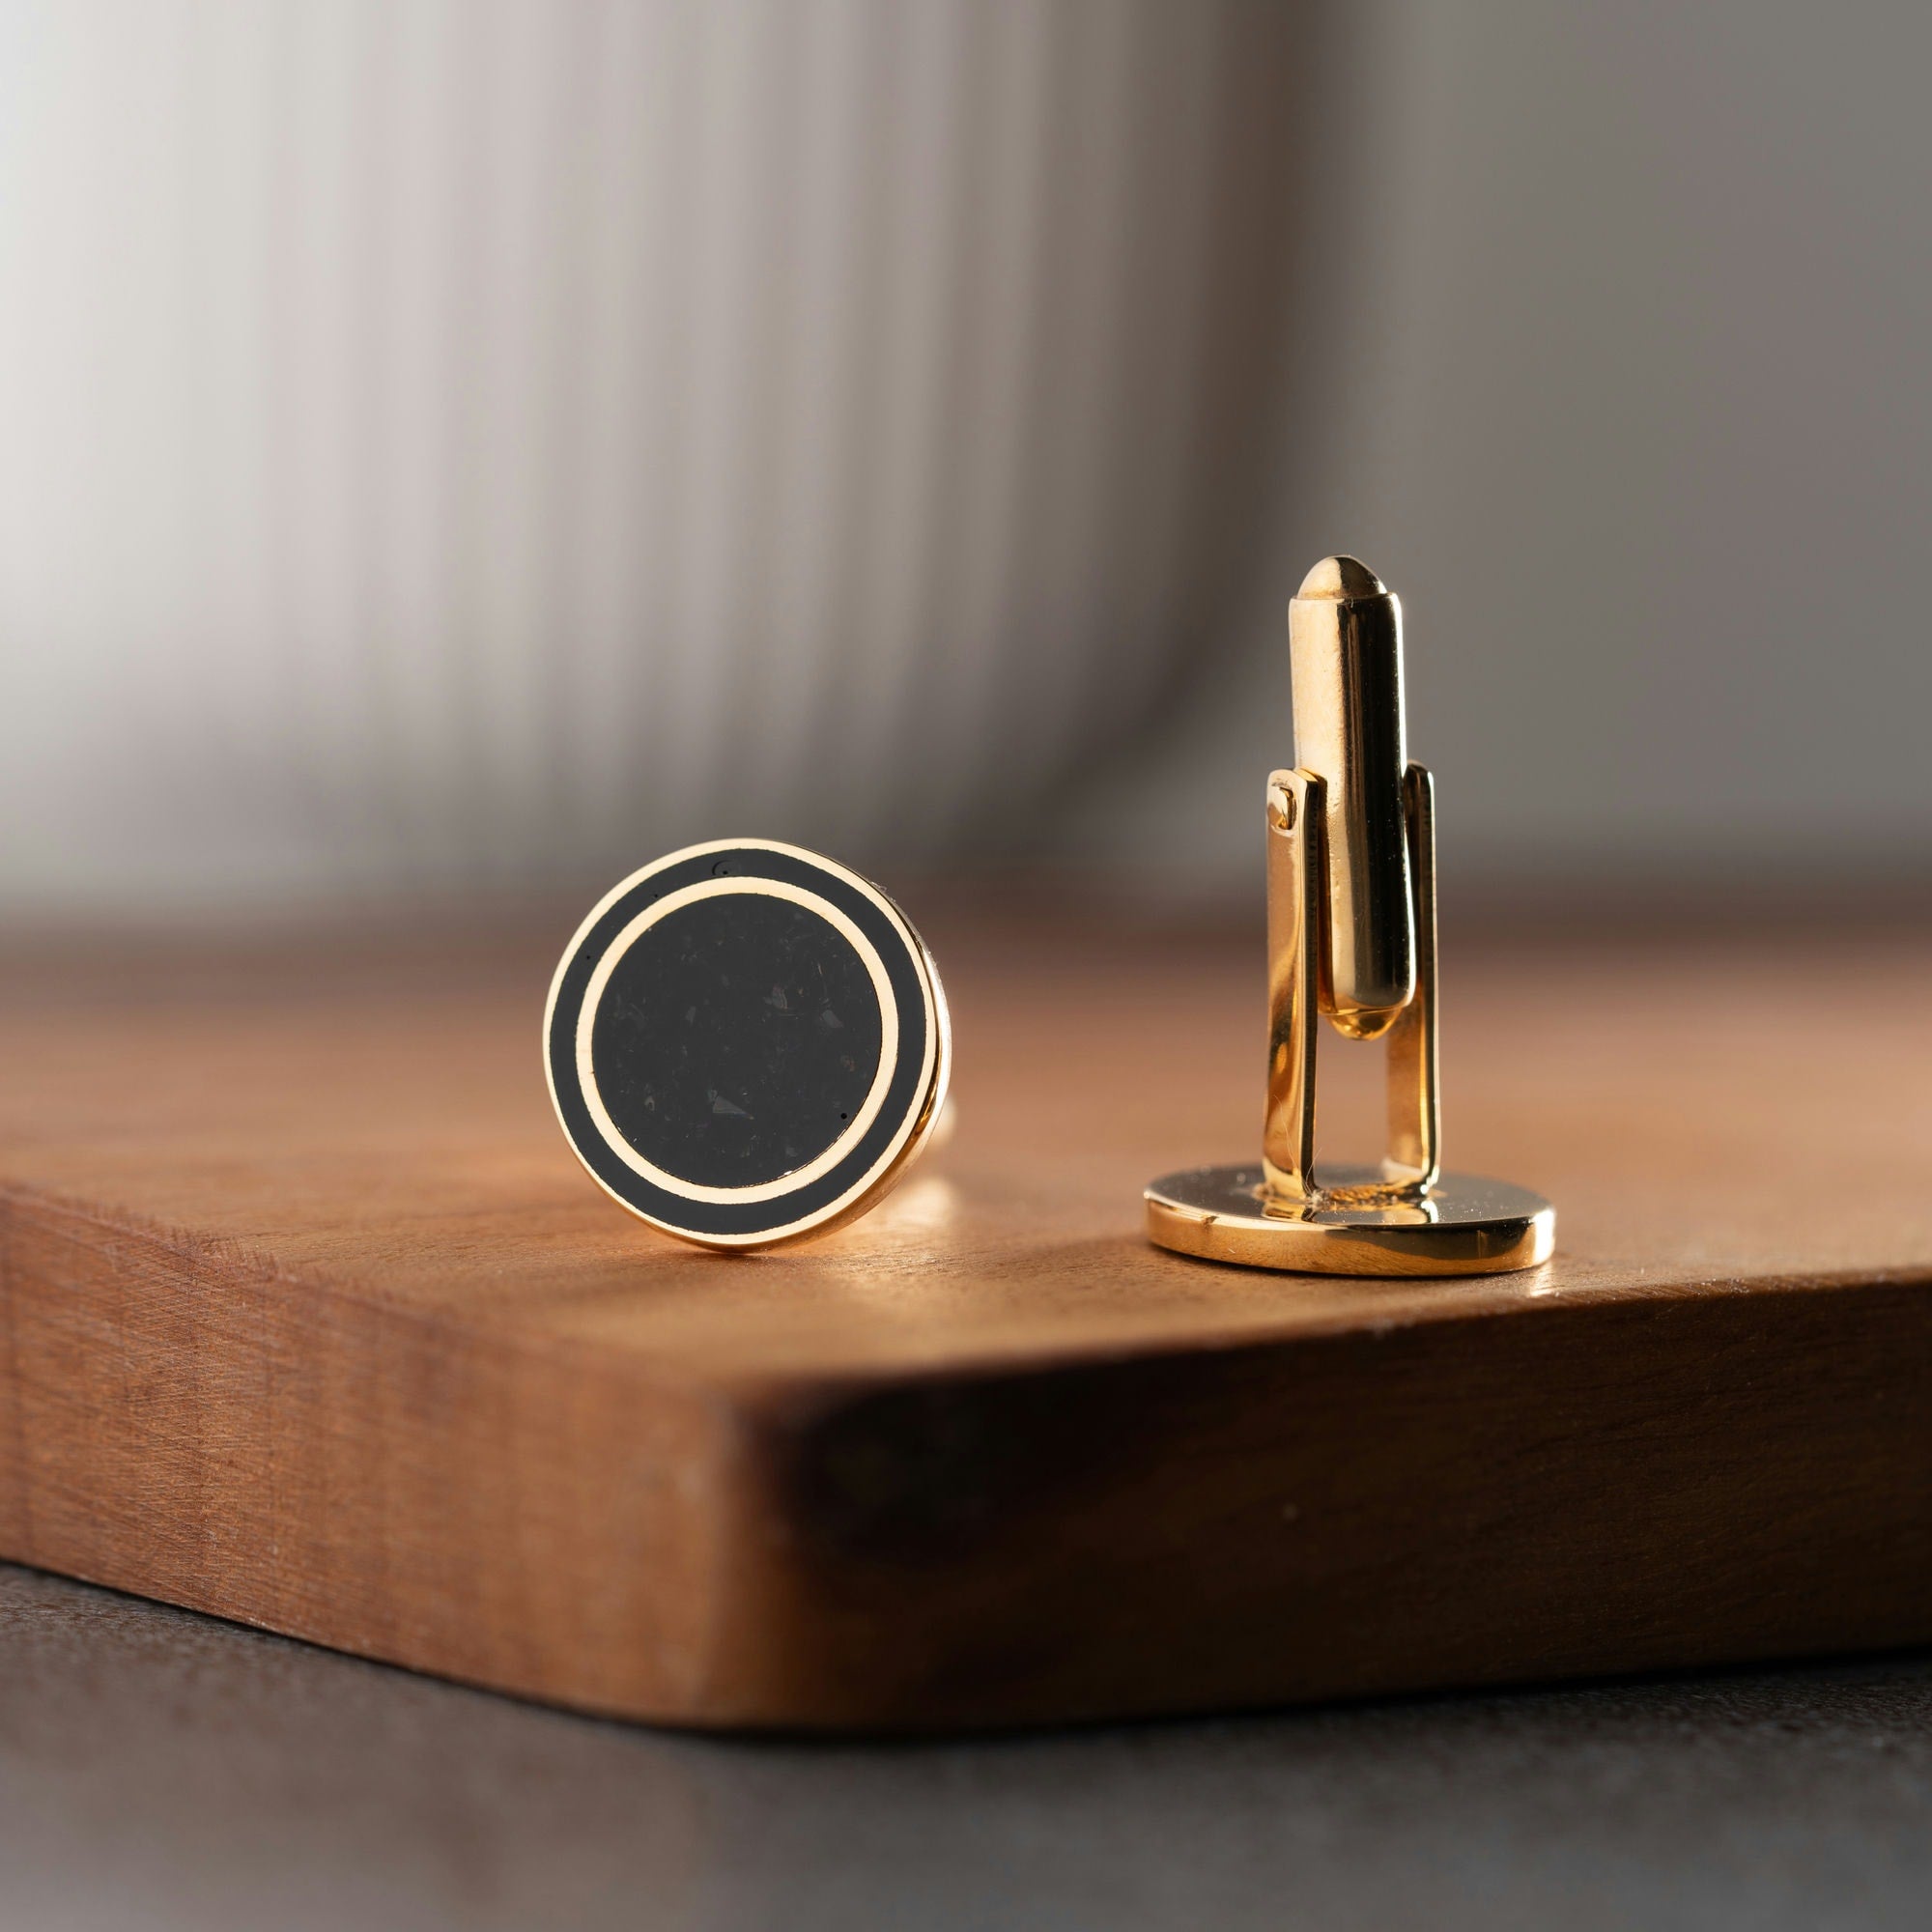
(746, 1043)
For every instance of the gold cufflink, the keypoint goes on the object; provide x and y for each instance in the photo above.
(1352, 936)
(747, 1043)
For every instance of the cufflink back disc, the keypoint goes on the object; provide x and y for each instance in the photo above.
(747, 1043)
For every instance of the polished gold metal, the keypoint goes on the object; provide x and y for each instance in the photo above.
(1351, 935)
(1344, 652)
(1295, 888)
(1465, 1225)
(1414, 1061)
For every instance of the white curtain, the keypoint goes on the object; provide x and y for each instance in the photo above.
(445, 441)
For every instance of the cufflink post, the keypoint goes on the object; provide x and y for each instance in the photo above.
(1350, 836)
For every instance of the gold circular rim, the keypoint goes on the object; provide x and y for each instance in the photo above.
(935, 1070)
(868, 1108)
(1468, 1225)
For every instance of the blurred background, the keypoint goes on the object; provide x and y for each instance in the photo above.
(465, 446)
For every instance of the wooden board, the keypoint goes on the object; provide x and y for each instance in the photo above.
(310, 1319)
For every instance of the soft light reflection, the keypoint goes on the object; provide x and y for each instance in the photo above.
(924, 1206)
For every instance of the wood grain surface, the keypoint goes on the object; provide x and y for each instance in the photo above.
(310, 1319)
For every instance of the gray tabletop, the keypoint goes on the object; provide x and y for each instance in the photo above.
(162, 1770)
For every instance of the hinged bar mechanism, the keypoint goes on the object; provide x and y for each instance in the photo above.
(1351, 938)
(1352, 883)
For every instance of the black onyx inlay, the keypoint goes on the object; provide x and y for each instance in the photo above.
(736, 1039)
